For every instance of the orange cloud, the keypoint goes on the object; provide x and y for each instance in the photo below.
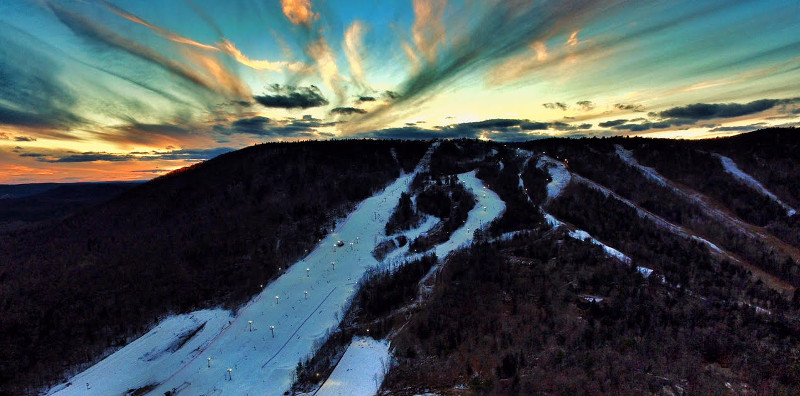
(428, 31)
(299, 12)
(229, 48)
(573, 39)
(161, 31)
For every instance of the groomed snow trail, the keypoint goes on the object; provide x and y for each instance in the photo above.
(151, 358)
(558, 173)
(746, 179)
(361, 369)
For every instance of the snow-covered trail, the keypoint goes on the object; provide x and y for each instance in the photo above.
(558, 173)
(360, 371)
(582, 235)
(746, 179)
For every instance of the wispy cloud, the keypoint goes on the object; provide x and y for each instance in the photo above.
(218, 78)
(353, 49)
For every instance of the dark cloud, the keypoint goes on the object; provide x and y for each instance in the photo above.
(534, 126)
(663, 124)
(613, 123)
(705, 111)
(188, 155)
(252, 126)
(563, 126)
(740, 128)
(497, 123)
(362, 99)
(629, 107)
(290, 97)
(269, 128)
(421, 133)
(586, 105)
(391, 95)
(348, 111)
(24, 139)
(556, 105)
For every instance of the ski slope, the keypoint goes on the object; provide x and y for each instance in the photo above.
(746, 179)
(360, 371)
(256, 352)
(149, 359)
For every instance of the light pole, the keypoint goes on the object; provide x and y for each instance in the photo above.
(272, 329)
(230, 374)
(277, 299)
(306, 293)
(209, 362)
(333, 264)
(308, 272)
(250, 322)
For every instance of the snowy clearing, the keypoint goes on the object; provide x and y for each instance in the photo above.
(361, 369)
(744, 178)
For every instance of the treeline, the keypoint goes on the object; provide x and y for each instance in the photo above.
(203, 236)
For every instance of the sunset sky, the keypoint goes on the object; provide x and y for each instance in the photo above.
(130, 89)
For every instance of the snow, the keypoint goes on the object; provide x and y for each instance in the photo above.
(260, 362)
(149, 359)
(650, 173)
(527, 155)
(361, 369)
(731, 168)
(582, 235)
(646, 272)
(593, 299)
(558, 172)
(643, 213)
(561, 176)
